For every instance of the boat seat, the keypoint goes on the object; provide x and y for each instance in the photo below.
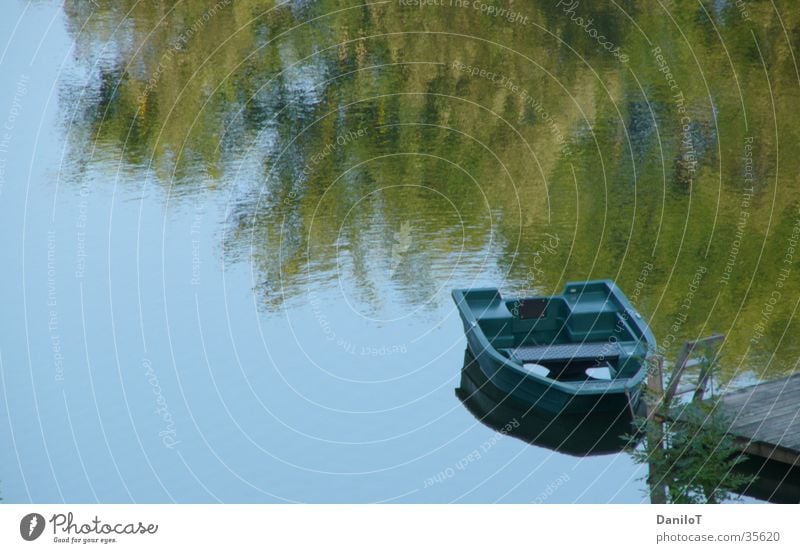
(565, 352)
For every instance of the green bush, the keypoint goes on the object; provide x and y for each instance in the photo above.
(691, 457)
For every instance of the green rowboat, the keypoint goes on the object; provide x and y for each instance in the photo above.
(582, 351)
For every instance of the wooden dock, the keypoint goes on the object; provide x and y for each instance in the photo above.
(765, 419)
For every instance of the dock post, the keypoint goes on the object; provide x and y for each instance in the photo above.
(654, 399)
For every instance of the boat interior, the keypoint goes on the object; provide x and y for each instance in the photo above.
(581, 335)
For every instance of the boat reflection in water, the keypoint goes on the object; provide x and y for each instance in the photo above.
(595, 433)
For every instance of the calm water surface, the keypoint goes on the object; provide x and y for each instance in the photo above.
(230, 230)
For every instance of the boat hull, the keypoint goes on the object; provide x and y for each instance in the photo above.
(584, 434)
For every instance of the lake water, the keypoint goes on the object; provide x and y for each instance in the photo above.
(230, 231)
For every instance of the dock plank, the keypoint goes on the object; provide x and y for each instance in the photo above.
(767, 417)
(756, 398)
(777, 412)
(771, 394)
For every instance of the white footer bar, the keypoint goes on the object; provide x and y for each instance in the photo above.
(398, 528)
